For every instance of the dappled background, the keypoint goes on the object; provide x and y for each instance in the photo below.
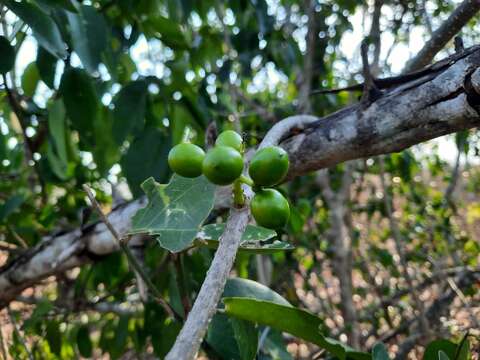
(385, 247)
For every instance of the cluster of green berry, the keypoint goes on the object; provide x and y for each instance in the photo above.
(223, 165)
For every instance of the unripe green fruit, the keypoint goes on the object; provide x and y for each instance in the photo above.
(230, 138)
(270, 209)
(269, 166)
(186, 160)
(222, 165)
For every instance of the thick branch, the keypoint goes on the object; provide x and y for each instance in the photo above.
(440, 37)
(425, 108)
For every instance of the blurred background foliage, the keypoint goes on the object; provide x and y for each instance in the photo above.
(101, 90)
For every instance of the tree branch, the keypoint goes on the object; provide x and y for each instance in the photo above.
(440, 37)
(436, 104)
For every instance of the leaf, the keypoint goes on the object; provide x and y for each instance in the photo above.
(245, 288)
(80, 99)
(54, 337)
(57, 148)
(295, 321)
(84, 344)
(463, 349)
(65, 4)
(10, 205)
(220, 336)
(129, 112)
(274, 346)
(7, 60)
(379, 352)
(30, 79)
(47, 64)
(105, 151)
(175, 211)
(251, 243)
(44, 28)
(169, 31)
(42, 309)
(146, 157)
(88, 30)
(442, 356)
(432, 349)
(246, 336)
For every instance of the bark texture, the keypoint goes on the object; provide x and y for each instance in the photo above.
(440, 102)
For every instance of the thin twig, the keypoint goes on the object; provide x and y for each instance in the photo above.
(132, 261)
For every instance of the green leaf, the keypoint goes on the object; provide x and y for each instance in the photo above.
(295, 321)
(146, 157)
(442, 356)
(432, 349)
(246, 336)
(129, 112)
(10, 205)
(84, 343)
(274, 346)
(42, 309)
(54, 337)
(44, 28)
(105, 152)
(170, 32)
(379, 352)
(30, 79)
(80, 99)
(245, 288)
(220, 336)
(163, 339)
(47, 64)
(175, 211)
(88, 30)
(7, 60)
(463, 350)
(57, 148)
(251, 243)
(65, 4)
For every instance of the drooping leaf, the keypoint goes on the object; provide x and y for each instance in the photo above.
(47, 64)
(30, 79)
(7, 60)
(246, 336)
(379, 352)
(442, 356)
(220, 336)
(88, 30)
(105, 151)
(84, 343)
(146, 157)
(10, 205)
(295, 321)
(175, 211)
(81, 103)
(245, 288)
(169, 31)
(463, 349)
(44, 28)
(65, 4)
(54, 337)
(129, 112)
(432, 349)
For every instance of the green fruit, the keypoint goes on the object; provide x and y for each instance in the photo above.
(222, 165)
(269, 166)
(270, 209)
(230, 138)
(186, 160)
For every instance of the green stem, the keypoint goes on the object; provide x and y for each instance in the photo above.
(238, 198)
(246, 180)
